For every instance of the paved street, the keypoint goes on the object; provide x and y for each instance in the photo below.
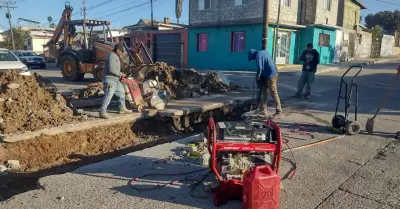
(353, 172)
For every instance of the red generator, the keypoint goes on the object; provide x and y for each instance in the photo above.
(245, 158)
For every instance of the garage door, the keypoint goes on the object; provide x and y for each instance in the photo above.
(168, 48)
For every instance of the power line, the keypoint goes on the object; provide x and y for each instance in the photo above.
(118, 7)
(101, 4)
(127, 9)
(387, 2)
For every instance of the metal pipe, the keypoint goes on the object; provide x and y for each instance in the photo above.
(264, 45)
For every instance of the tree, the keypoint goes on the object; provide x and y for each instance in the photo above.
(178, 9)
(20, 37)
(388, 20)
(50, 19)
(376, 32)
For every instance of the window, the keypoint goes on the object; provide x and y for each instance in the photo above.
(323, 40)
(327, 5)
(237, 41)
(284, 2)
(204, 4)
(202, 42)
(241, 2)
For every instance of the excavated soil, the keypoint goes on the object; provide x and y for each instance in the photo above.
(30, 103)
(48, 155)
(180, 83)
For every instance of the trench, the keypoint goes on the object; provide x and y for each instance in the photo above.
(51, 155)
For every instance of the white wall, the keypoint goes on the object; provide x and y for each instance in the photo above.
(338, 45)
(387, 45)
(37, 44)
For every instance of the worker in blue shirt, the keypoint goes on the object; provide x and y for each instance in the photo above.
(267, 78)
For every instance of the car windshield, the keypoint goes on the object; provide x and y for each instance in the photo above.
(6, 55)
(29, 54)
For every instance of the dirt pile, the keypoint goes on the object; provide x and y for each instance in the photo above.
(182, 83)
(29, 103)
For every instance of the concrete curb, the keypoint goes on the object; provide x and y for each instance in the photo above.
(327, 70)
(363, 63)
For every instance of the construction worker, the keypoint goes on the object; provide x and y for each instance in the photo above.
(266, 78)
(310, 58)
(111, 82)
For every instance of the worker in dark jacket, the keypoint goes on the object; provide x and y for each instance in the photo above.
(310, 58)
(267, 78)
(111, 82)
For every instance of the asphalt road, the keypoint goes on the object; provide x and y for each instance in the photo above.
(359, 171)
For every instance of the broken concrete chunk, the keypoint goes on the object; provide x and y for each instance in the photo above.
(3, 168)
(13, 86)
(1, 120)
(13, 164)
(2, 100)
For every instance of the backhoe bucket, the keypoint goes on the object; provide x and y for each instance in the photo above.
(141, 71)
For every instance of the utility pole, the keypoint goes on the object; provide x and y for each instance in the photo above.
(277, 31)
(265, 25)
(152, 22)
(83, 11)
(8, 16)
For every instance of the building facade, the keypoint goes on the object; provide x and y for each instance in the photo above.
(222, 31)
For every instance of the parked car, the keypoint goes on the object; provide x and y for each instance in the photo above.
(9, 61)
(31, 59)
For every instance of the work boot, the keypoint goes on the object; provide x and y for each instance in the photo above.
(124, 111)
(277, 115)
(104, 115)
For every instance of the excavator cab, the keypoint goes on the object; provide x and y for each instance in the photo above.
(86, 45)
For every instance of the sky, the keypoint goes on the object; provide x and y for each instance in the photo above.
(39, 10)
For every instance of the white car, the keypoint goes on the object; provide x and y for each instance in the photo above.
(8, 61)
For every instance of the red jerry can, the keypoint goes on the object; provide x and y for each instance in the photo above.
(261, 188)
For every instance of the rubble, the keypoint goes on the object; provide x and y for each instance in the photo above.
(31, 107)
(13, 165)
(183, 83)
(13, 86)
(91, 90)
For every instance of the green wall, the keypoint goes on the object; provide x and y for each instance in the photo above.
(311, 35)
(219, 55)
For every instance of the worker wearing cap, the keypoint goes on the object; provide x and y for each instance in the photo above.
(310, 58)
(266, 78)
(111, 82)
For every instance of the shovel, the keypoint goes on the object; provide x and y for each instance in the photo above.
(369, 127)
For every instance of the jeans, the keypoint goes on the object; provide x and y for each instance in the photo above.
(111, 87)
(305, 78)
(265, 86)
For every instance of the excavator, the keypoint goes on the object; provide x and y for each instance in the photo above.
(83, 52)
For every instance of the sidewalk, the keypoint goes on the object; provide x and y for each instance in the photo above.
(368, 61)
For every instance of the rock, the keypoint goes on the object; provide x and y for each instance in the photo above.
(2, 100)
(13, 164)
(61, 198)
(3, 168)
(1, 120)
(194, 94)
(80, 111)
(100, 93)
(13, 86)
(183, 153)
(204, 159)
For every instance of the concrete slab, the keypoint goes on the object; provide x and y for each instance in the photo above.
(379, 179)
(343, 199)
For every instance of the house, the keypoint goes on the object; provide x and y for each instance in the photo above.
(321, 20)
(37, 39)
(352, 41)
(114, 33)
(222, 31)
(147, 25)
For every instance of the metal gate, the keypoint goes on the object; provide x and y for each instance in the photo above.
(168, 48)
